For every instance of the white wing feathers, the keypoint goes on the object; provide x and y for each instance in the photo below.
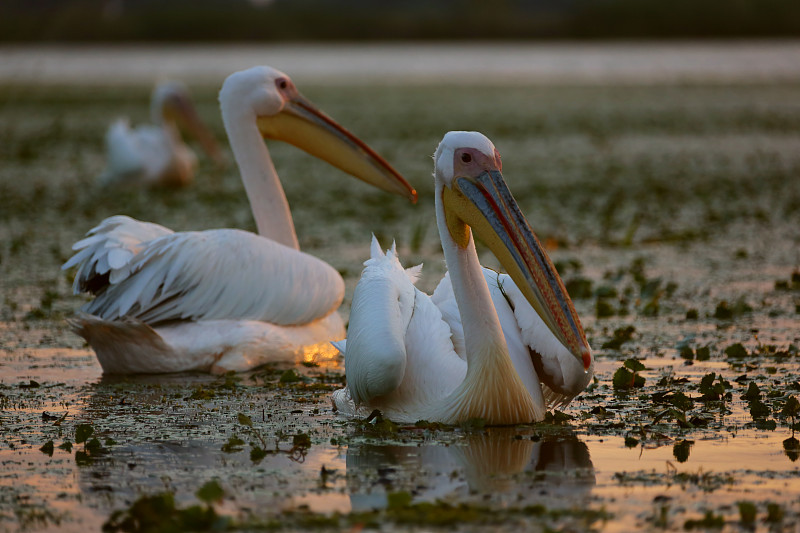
(382, 306)
(398, 346)
(108, 250)
(216, 274)
(562, 375)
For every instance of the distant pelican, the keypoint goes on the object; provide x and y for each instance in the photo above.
(155, 155)
(485, 345)
(225, 299)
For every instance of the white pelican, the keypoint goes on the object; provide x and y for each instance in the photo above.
(155, 155)
(485, 345)
(225, 299)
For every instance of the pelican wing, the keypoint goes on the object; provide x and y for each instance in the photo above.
(217, 274)
(399, 353)
(104, 256)
(562, 375)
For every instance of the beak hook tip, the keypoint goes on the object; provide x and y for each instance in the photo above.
(587, 359)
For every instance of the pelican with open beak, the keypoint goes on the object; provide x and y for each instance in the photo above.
(154, 154)
(226, 299)
(500, 347)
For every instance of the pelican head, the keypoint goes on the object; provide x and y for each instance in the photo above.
(171, 102)
(270, 97)
(474, 195)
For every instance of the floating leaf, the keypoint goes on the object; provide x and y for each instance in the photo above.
(791, 447)
(753, 393)
(398, 500)
(47, 449)
(210, 492)
(257, 454)
(289, 376)
(234, 444)
(703, 353)
(624, 379)
(747, 512)
(759, 409)
(736, 350)
(634, 365)
(621, 336)
(579, 288)
(792, 408)
(631, 442)
(681, 401)
(244, 420)
(83, 432)
(774, 513)
(681, 450)
(603, 309)
(301, 440)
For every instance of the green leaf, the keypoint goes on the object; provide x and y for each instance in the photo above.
(621, 336)
(210, 492)
(83, 432)
(792, 407)
(747, 512)
(290, 376)
(759, 409)
(245, 420)
(66, 445)
(234, 444)
(634, 364)
(736, 350)
(753, 393)
(47, 449)
(703, 353)
(257, 454)
(623, 379)
(681, 401)
(681, 450)
(398, 500)
(603, 309)
(301, 440)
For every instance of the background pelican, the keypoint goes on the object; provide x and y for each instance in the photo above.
(485, 345)
(155, 154)
(225, 299)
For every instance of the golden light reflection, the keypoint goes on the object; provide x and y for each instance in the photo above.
(323, 354)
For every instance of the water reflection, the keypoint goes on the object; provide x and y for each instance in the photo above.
(498, 463)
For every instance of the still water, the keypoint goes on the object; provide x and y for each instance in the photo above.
(594, 63)
(499, 468)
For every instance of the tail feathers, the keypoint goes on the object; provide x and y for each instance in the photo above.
(340, 345)
(125, 346)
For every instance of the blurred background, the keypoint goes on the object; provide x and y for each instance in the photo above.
(358, 20)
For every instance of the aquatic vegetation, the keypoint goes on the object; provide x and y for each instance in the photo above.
(646, 198)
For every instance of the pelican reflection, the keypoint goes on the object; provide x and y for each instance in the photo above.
(499, 462)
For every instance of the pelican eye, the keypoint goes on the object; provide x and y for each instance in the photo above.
(282, 84)
(466, 158)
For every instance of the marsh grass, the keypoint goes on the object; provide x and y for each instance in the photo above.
(660, 202)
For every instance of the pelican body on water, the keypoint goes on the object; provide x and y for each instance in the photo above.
(225, 299)
(500, 347)
(154, 154)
